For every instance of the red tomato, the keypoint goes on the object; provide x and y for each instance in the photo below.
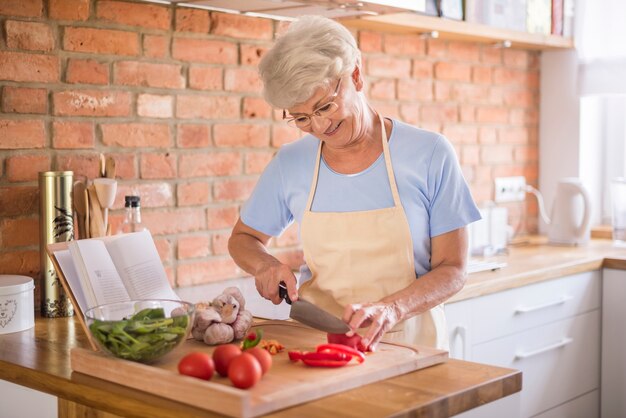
(263, 357)
(198, 365)
(244, 371)
(354, 341)
(222, 356)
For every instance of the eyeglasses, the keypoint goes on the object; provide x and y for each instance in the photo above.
(324, 111)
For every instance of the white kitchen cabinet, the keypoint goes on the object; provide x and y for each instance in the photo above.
(458, 317)
(508, 407)
(585, 406)
(613, 344)
(559, 361)
(21, 402)
(548, 330)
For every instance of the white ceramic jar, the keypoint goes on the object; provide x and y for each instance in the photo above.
(17, 303)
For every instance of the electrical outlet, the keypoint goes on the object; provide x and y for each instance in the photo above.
(510, 189)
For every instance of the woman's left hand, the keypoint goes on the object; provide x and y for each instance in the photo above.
(379, 316)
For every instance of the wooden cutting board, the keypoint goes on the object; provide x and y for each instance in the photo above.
(286, 384)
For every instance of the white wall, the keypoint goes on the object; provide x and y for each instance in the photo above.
(591, 129)
(559, 122)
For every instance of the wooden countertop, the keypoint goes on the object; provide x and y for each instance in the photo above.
(39, 358)
(533, 260)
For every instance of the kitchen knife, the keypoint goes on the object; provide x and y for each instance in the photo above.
(307, 313)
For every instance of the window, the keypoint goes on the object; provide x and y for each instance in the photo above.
(603, 138)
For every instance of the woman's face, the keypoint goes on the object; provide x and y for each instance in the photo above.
(342, 127)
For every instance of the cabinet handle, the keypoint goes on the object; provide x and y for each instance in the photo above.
(520, 355)
(461, 331)
(526, 309)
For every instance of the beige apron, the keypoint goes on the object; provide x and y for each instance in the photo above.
(363, 256)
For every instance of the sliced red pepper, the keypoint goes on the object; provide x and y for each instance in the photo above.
(321, 359)
(326, 355)
(325, 363)
(326, 359)
(340, 348)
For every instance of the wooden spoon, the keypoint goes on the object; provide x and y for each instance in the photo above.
(106, 190)
(96, 223)
(87, 217)
(102, 167)
(109, 168)
(80, 206)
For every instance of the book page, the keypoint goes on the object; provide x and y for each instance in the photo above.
(96, 268)
(139, 264)
(64, 258)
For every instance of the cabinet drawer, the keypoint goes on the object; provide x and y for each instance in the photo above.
(559, 361)
(515, 310)
(586, 406)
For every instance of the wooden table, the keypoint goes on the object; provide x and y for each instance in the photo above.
(39, 359)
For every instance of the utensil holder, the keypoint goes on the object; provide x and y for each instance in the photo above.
(56, 224)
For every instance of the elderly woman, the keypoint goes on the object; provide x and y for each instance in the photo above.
(382, 206)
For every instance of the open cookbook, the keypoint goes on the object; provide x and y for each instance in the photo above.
(111, 269)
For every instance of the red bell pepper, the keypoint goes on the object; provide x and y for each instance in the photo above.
(324, 363)
(321, 359)
(340, 348)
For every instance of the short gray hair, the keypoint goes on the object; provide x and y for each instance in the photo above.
(314, 51)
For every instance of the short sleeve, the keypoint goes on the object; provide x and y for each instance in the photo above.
(266, 210)
(451, 202)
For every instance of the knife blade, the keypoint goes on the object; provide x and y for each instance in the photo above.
(309, 314)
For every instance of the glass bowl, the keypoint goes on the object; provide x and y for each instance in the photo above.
(140, 330)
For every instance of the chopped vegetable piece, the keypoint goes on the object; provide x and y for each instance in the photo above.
(273, 346)
(294, 355)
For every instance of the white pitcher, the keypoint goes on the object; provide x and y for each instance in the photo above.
(570, 217)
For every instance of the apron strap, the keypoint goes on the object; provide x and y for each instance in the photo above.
(390, 175)
(313, 188)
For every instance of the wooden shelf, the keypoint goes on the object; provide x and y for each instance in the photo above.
(458, 30)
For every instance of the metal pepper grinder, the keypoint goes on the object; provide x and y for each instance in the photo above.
(56, 224)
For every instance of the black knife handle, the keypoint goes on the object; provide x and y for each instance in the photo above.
(282, 292)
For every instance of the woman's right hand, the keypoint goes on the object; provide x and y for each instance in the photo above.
(269, 275)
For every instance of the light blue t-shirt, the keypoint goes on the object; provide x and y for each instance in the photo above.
(433, 192)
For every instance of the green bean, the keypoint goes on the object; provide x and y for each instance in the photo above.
(143, 337)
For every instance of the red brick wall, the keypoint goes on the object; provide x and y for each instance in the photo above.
(173, 95)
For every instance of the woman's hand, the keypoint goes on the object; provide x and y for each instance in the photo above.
(269, 275)
(247, 247)
(379, 316)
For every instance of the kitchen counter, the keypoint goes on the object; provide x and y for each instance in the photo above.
(534, 260)
(39, 359)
